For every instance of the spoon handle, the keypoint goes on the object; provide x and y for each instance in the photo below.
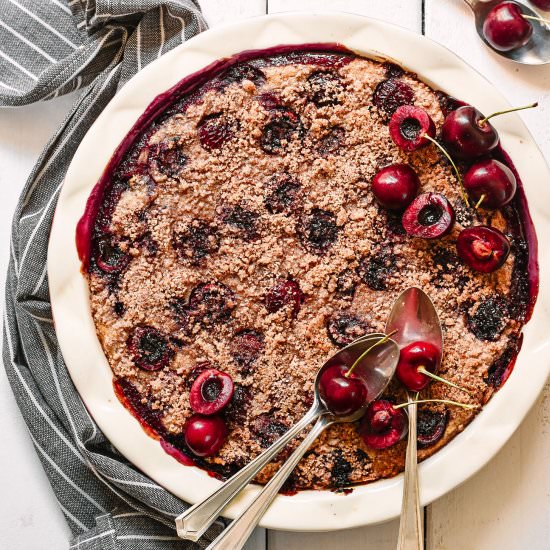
(196, 520)
(410, 526)
(236, 535)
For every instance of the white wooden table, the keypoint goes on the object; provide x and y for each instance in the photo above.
(505, 506)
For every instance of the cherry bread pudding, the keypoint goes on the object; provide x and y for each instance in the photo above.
(266, 212)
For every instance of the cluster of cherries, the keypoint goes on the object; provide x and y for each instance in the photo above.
(507, 28)
(205, 431)
(467, 136)
(385, 424)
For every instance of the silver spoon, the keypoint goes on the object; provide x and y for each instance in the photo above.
(535, 52)
(414, 318)
(377, 369)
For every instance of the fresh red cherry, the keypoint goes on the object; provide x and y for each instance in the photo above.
(395, 186)
(505, 28)
(204, 435)
(382, 426)
(490, 183)
(429, 216)
(408, 127)
(343, 395)
(211, 392)
(483, 248)
(467, 135)
(411, 358)
(542, 4)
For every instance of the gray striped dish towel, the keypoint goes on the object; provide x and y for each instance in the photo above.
(48, 48)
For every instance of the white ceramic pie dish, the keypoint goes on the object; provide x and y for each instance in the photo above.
(308, 510)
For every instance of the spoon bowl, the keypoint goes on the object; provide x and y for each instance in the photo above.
(414, 318)
(535, 52)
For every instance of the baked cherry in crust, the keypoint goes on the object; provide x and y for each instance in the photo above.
(415, 355)
(342, 395)
(376, 270)
(319, 230)
(209, 304)
(284, 292)
(490, 183)
(167, 156)
(211, 391)
(109, 257)
(325, 86)
(279, 132)
(409, 125)
(196, 241)
(214, 130)
(149, 348)
(430, 427)
(344, 328)
(205, 435)
(429, 216)
(395, 186)
(383, 426)
(391, 94)
(246, 347)
(483, 248)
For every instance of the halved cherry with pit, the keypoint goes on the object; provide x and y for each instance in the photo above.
(411, 127)
(383, 426)
(211, 392)
(483, 248)
(429, 216)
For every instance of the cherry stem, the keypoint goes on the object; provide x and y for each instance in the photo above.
(534, 18)
(439, 379)
(498, 113)
(455, 168)
(366, 352)
(446, 401)
(481, 199)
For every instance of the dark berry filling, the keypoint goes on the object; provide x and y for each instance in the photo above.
(278, 133)
(284, 196)
(430, 426)
(167, 157)
(196, 241)
(346, 283)
(214, 130)
(267, 429)
(344, 328)
(109, 257)
(332, 141)
(324, 88)
(376, 270)
(246, 346)
(489, 318)
(319, 230)
(285, 292)
(391, 94)
(244, 71)
(341, 471)
(242, 219)
(149, 348)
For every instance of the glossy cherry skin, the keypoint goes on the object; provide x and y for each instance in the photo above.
(542, 4)
(429, 216)
(408, 126)
(483, 248)
(505, 28)
(342, 395)
(493, 181)
(465, 136)
(211, 392)
(395, 186)
(383, 426)
(205, 435)
(413, 356)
